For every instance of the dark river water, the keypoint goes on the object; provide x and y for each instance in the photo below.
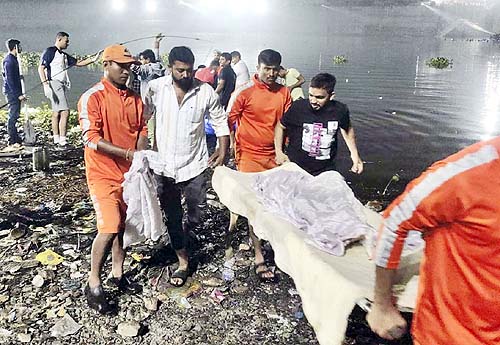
(406, 114)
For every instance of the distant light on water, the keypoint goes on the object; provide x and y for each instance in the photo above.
(217, 7)
(118, 5)
(151, 5)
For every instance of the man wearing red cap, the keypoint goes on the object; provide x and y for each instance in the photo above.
(113, 128)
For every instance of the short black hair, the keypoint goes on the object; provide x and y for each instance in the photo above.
(12, 43)
(282, 68)
(148, 54)
(269, 57)
(226, 56)
(235, 54)
(324, 81)
(201, 66)
(182, 54)
(61, 34)
(214, 62)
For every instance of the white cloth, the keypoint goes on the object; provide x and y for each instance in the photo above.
(241, 70)
(180, 128)
(329, 285)
(323, 206)
(144, 218)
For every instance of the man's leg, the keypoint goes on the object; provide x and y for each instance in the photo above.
(63, 123)
(14, 111)
(109, 214)
(252, 163)
(99, 253)
(195, 191)
(117, 256)
(169, 195)
(55, 126)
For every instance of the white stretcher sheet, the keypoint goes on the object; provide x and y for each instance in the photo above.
(328, 285)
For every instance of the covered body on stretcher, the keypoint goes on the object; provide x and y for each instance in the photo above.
(328, 285)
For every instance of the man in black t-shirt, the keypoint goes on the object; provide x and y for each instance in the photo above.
(226, 80)
(312, 126)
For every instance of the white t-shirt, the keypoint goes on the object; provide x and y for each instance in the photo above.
(242, 74)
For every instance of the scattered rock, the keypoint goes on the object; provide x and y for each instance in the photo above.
(151, 303)
(24, 338)
(38, 281)
(128, 329)
(244, 246)
(240, 289)
(64, 327)
(213, 282)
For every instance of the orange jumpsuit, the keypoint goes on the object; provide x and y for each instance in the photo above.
(106, 112)
(456, 204)
(256, 112)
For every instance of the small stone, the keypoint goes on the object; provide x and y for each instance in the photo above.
(38, 281)
(151, 303)
(240, 289)
(128, 329)
(5, 332)
(244, 246)
(24, 338)
(65, 326)
(213, 282)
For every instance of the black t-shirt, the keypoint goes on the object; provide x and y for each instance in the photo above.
(313, 134)
(227, 74)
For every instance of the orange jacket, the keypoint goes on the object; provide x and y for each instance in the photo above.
(456, 204)
(256, 111)
(114, 115)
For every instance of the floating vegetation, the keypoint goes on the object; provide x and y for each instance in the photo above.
(340, 59)
(439, 62)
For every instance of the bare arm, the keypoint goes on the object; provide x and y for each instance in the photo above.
(113, 150)
(42, 74)
(89, 60)
(384, 318)
(279, 139)
(300, 80)
(220, 86)
(350, 140)
(156, 46)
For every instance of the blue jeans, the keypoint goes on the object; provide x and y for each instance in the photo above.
(14, 111)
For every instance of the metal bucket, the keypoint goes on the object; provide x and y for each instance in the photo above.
(41, 159)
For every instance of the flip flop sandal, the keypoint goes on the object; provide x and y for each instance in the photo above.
(261, 274)
(179, 274)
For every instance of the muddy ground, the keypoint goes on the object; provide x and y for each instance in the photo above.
(43, 304)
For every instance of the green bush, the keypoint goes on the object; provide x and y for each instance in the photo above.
(164, 59)
(439, 62)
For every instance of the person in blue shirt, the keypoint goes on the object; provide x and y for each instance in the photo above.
(12, 88)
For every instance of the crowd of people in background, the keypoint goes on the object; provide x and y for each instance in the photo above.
(200, 116)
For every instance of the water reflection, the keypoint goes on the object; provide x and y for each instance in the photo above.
(491, 111)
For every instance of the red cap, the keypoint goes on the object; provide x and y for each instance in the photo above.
(118, 53)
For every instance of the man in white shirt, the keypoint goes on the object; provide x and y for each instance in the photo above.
(240, 68)
(180, 102)
(54, 76)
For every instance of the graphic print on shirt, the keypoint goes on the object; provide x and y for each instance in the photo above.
(317, 140)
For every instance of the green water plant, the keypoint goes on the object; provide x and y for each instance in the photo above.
(339, 59)
(439, 62)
